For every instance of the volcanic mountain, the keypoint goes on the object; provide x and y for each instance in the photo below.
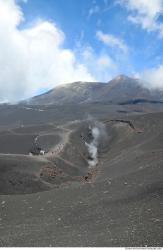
(81, 165)
(120, 90)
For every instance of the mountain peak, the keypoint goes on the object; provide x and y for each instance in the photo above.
(121, 77)
(121, 89)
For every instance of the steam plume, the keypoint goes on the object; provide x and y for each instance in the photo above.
(97, 132)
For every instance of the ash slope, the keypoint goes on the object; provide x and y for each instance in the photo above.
(56, 199)
(121, 90)
(120, 206)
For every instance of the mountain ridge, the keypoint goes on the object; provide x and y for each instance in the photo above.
(120, 89)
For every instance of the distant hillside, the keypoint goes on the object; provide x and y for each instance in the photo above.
(121, 90)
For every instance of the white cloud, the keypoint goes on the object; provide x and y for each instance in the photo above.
(112, 41)
(153, 78)
(145, 13)
(33, 58)
(100, 65)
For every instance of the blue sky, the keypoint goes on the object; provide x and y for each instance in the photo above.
(80, 20)
(47, 43)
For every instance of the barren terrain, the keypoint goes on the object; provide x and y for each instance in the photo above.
(57, 199)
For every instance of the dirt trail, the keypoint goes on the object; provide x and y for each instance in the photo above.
(57, 149)
(128, 122)
(36, 158)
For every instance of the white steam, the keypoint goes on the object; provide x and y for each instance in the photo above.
(97, 131)
(93, 147)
